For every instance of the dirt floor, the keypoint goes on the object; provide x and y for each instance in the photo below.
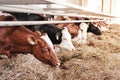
(98, 59)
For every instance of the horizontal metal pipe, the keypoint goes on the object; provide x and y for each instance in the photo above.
(17, 23)
(23, 9)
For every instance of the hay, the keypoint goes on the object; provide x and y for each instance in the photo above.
(98, 59)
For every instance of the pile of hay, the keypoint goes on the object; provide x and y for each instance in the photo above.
(99, 59)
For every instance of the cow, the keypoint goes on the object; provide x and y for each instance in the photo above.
(66, 41)
(93, 29)
(55, 34)
(82, 36)
(58, 35)
(102, 25)
(84, 28)
(78, 31)
(28, 17)
(19, 39)
(73, 28)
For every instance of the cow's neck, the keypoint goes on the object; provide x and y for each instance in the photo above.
(21, 49)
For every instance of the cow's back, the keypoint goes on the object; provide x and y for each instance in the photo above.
(5, 32)
(52, 31)
(28, 17)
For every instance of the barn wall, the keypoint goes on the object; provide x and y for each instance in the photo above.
(116, 10)
(78, 2)
(105, 6)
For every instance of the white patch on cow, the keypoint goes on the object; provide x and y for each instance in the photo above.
(47, 39)
(82, 37)
(78, 38)
(83, 28)
(55, 17)
(66, 40)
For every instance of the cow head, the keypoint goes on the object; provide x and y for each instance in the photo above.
(84, 26)
(92, 28)
(95, 30)
(57, 37)
(66, 40)
(73, 29)
(43, 51)
(82, 36)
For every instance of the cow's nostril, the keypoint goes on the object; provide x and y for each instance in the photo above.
(58, 64)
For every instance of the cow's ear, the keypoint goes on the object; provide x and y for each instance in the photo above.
(57, 35)
(31, 40)
(37, 32)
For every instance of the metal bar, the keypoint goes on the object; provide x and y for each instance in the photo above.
(24, 9)
(71, 10)
(17, 23)
(23, 2)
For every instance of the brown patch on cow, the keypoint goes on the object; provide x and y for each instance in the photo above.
(73, 28)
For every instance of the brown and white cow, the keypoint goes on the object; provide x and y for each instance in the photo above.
(70, 31)
(19, 39)
(82, 37)
(66, 41)
(72, 27)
